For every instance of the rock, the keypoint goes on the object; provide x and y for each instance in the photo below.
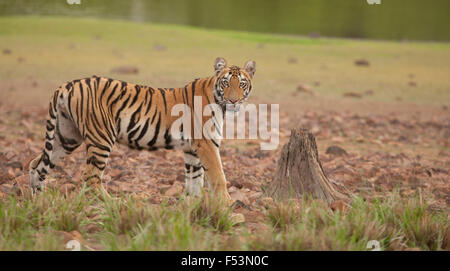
(371, 121)
(352, 95)
(232, 189)
(236, 183)
(362, 62)
(248, 184)
(68, 236)
(92, 228)
(335, 150)
(3, 195)
(174, 190)
(125, 70)
(237, 218)
(159, 47)
(254, 196)
(369, 92)
(304, 88)
(338, 205)
(10, 174)
(14, 164)
(163, 188)
(292, 60)
(26, 162)
(7, 51)
(22, 180)
(315, 129)
(267, 202)
(248, 162)
(239, 195)
(180, 178)
(66, 188)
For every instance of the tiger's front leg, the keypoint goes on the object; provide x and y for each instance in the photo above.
(210, 158)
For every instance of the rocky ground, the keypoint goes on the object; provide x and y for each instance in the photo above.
(365, 155)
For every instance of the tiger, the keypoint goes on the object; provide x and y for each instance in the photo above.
(100, 111)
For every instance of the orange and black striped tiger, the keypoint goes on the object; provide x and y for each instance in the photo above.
(100, 112)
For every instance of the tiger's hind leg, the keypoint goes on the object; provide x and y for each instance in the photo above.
(194, 173)
(97, 158)
(62, 138)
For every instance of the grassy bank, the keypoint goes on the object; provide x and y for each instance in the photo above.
(100, 221)
(52, 50)
(37, 54)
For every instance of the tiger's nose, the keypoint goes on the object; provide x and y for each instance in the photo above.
(233, 101)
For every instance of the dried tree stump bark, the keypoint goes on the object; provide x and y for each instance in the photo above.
(300, 172)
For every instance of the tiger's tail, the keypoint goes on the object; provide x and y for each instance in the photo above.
(58, 124)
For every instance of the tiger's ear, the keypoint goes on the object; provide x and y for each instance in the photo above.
(219, 64)
(250, 67)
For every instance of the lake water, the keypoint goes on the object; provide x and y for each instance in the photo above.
(392, 19)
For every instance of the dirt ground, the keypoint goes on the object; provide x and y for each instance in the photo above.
(384, 153)
(391, 118)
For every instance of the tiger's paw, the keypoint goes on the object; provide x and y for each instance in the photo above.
(92, 181)
(35, 182)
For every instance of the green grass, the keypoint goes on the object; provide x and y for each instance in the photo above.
(125, 223)
(51, 50)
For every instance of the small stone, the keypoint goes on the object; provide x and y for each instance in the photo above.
(66, 188)
(237, 218)
(362, 62)
(335, 150)
(249, 185)
(292, 60)
(338, 205)
(26, 162)
(238, 195)
(267, 202)
(125, 70)
(173, 191)
(159, 47)
(352, 95)
(92, 228)
(305, 89)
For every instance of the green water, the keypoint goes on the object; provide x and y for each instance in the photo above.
(392, 19)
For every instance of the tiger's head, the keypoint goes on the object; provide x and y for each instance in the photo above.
(233, 84)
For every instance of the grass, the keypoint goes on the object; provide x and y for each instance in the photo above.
(57, 49)
(47, 51)
(124, 223)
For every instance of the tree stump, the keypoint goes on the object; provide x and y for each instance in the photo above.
(300, 172)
